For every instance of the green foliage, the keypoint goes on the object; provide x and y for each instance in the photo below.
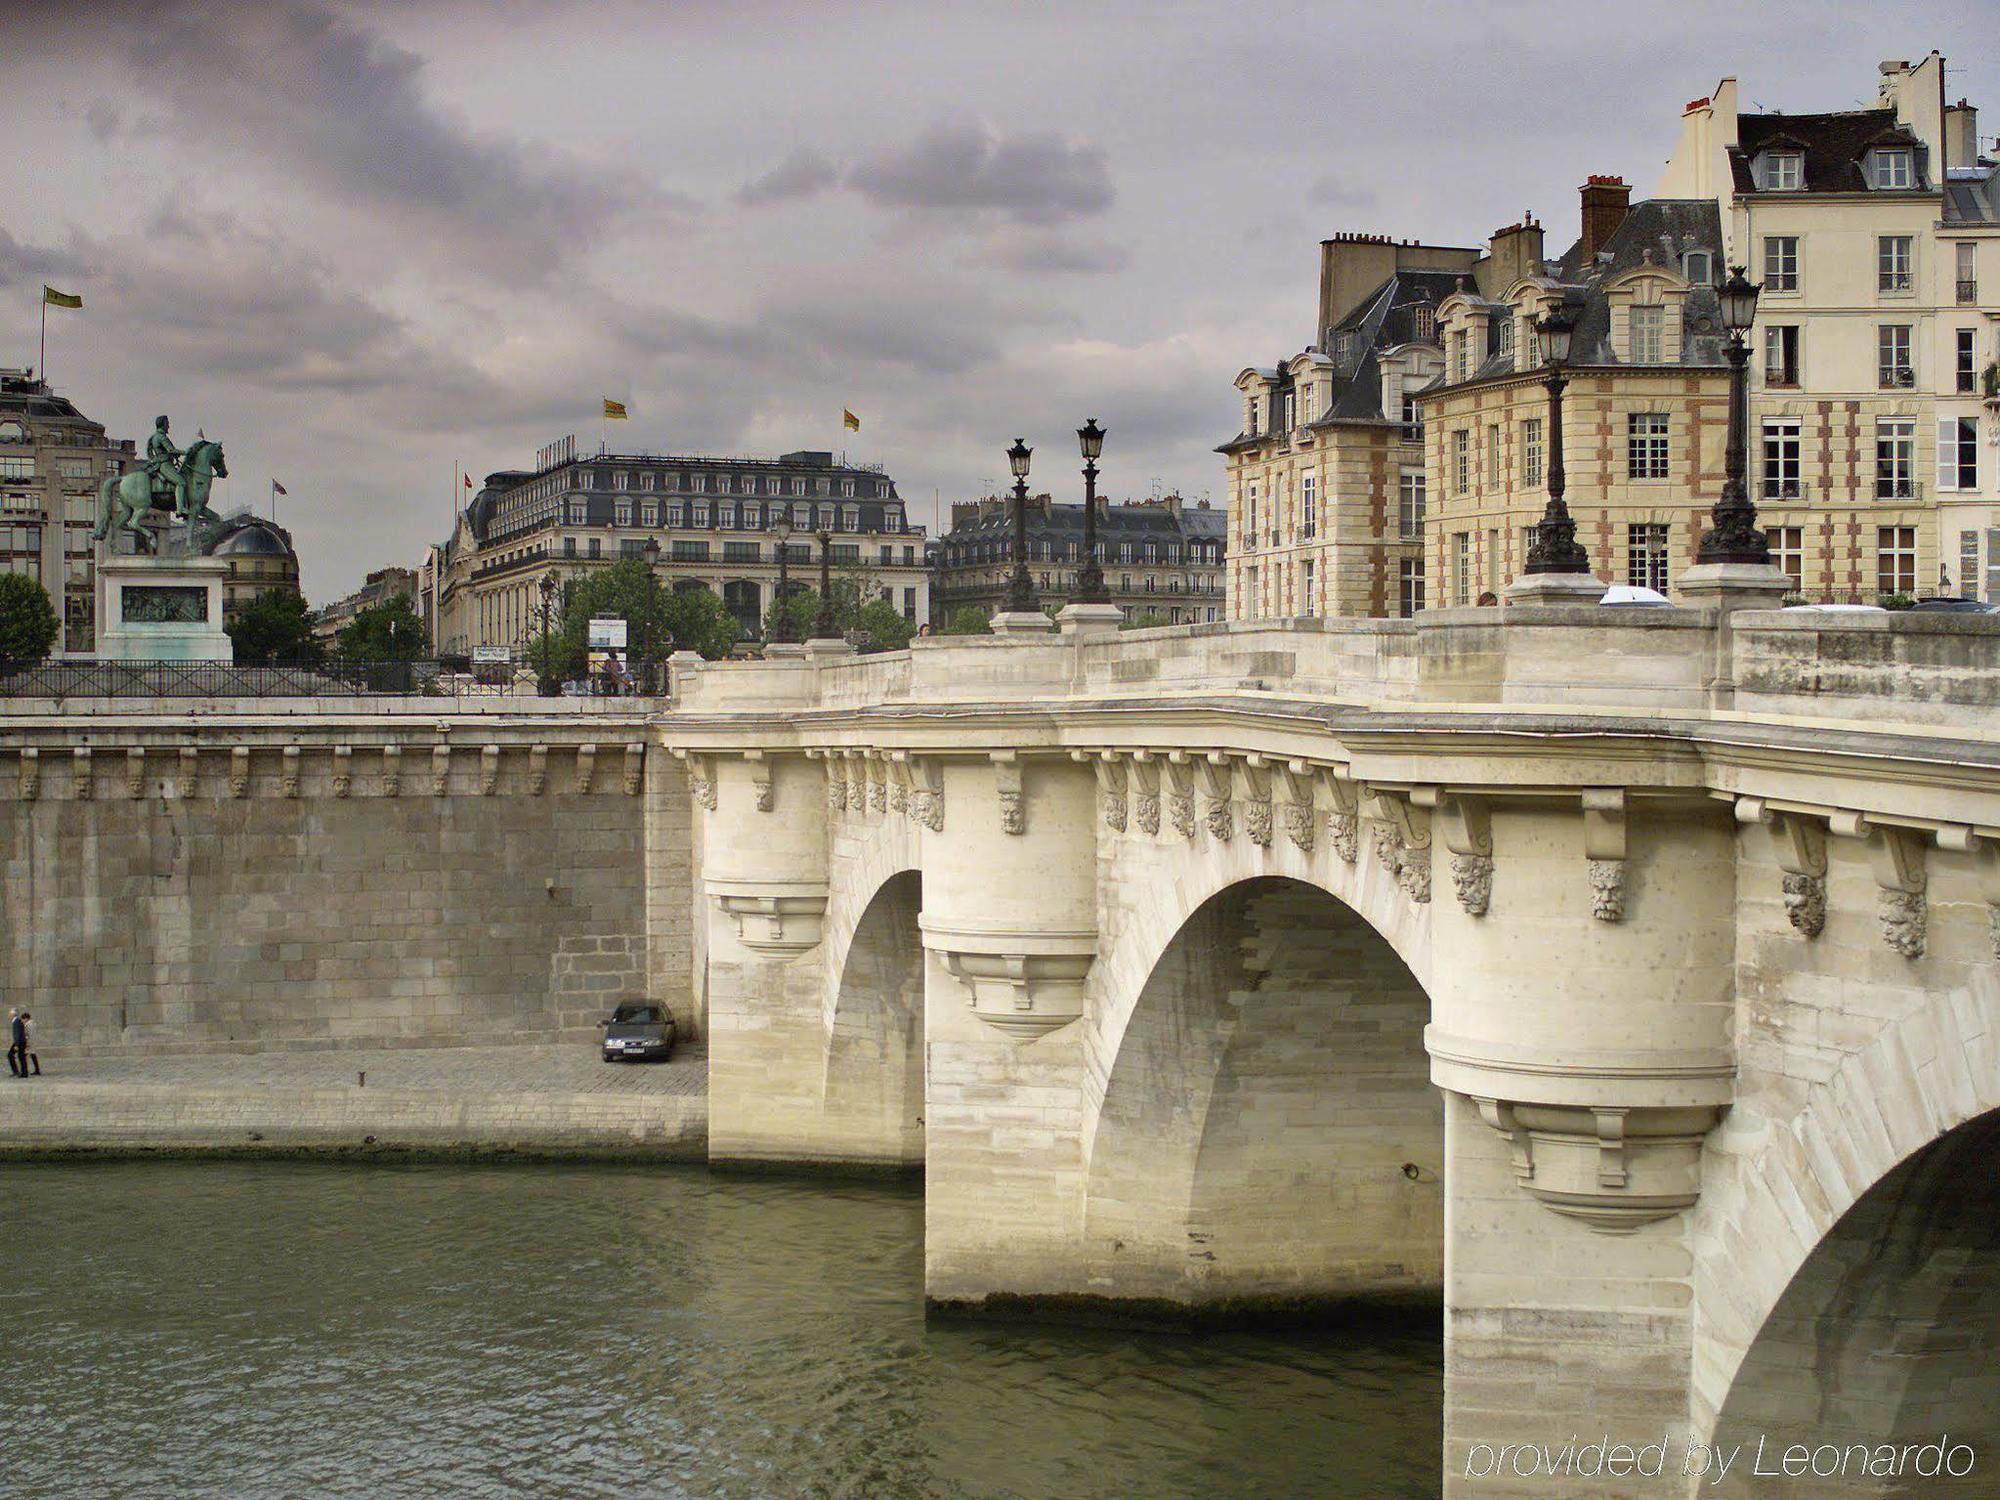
(272, 627)
(885, 623)
(1146, 619)
(389, 631)
(857, 606)
(1896, 601)
(27, 620)
(658, 620)
(967, 619)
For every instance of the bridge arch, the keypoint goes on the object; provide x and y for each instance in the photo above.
(1267, 1133)
(1853, 1291)
(873, 1089)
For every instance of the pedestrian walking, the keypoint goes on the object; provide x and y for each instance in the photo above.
(28, 1054)
(14, 1042)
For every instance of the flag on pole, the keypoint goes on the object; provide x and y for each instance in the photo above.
(278, 489)
(849, 421)
(53, 298)
(468, 481)
(614, 410)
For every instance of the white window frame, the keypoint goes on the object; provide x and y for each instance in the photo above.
(1895, 263)
(1646, 333)
(1781, 263)
(1784, 171)
(1646, 554)
(1410, 504)
(1781, 450)
(1893, 168)
(1532, 455)
(1895, 458)
(1648, 453)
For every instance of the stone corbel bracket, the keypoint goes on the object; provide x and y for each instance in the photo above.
(899, 782)
(1023, 984)
(635, 770)
(343, 770)
(763, 789)
(85, 776)
(1896, 859)
(1403, 840)
(30, 785)
(1466, 823)
(1985, 852)
(854, 765)
(538, 770)
(1256, 774)
(586, 768)
(1111, 782)
(1007, 791)
(440, 770)
(1604, 851)
(1299, 803)
(701, 777)
(877, 768)
(189, 780)
(1218, 784)
(489, 769)
(1180, 793)
(1145, 780)
(779, 918)
(289, 761)
(836, 779)
(392, 771)
(1613, 1168)
(135, 772)
(1343, 818)
(927, 791)
(1798, 844)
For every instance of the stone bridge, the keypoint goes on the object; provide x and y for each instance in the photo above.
(1625, 980)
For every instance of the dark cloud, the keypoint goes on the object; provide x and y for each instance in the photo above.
(104, 119)
(1041, 252)
(803, 174)
(1033, 178)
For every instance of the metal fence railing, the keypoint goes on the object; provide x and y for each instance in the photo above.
(208, 679)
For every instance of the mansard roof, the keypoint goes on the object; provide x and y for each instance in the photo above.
(1972, 194)
(1834, 146)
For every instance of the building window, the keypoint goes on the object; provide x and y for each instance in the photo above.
(700, 517)
(1411, 510)
(579, 512)
(1788, 553)
(1648, 340)
(1895, 458)
(1967, 376)
(1782, 172)
(1698, 267)
(1531, 452)
(1896, 559)
(1423, 322)
(1781, 263)
(674, 514)
(649, 513)
(1458, 354)
(1461, 461)
(1410, 586)
(1305, 587)
(1646, 555)
(1892, 168)
(1413, 420)
(1493, 474)
(1781, 459)
(595, 548)
(1781, 354)
(1506, 327)
(621, 512)
(1892, 356)
(1892, 263)
(1309, 507)
(1250, 515)
(1968, 273)
(1958, 453)
(687, 551)
(1646, 445)
(569, 546)
(1461, 546)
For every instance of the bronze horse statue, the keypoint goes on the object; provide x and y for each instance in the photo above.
(123, 498)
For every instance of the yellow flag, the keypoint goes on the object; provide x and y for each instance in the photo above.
(614, 409)
(848, 420)
(55, 298)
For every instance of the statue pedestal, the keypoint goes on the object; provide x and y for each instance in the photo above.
(161, 609)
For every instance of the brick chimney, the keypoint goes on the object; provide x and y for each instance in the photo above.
(1606, 201)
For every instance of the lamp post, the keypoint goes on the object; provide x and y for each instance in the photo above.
(779, 631)
(823, 621)
(1090, 578)
(1555, 548)
(1020, 587)
(1735, 537)
(547, 686)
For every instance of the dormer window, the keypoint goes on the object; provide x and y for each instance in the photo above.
(1291, 410)
(1890, 167)
(1423, 322)
(1784, 171)
(1698, 266)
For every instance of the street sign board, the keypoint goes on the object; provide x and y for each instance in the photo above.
(607, 634)
(491, 656)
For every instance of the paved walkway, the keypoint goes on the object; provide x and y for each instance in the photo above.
(567, 1068)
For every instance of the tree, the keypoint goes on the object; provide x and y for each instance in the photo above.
(885, 623)
(857, 607)
(389, 631)
(967, 619)
(27, 621)
(1146, 619)
(658, 620)
(272, 627)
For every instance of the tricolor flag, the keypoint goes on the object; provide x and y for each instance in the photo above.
(278, 489)
(468, 481)
(53, 298)
(848, 420)
(614, 410)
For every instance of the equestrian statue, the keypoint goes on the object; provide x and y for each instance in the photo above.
(170, 477)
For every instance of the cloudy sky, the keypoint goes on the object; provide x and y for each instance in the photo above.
(362, 243)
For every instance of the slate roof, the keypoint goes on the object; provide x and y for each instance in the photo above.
(1972, 194)
(1115, 522)
(1833, 145)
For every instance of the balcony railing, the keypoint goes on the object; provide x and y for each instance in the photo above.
(1968, 293)
(1895, 377)
(1782, 489)
(1897, 489)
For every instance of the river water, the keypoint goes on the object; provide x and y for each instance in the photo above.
(247, 1330)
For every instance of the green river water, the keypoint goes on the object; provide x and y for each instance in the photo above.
(250, 1329)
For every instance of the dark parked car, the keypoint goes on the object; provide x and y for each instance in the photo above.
(638, 1032)
(1947, 606)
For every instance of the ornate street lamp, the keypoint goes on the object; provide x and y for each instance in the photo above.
(1555, 549)
(1090, 578)
(823, 621)
(1020, 587)
(779, 631)
(1735, 537)
(547, 586)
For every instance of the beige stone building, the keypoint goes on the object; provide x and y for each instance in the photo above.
(1644, 417)
(1327, 486)
(1871, 429)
